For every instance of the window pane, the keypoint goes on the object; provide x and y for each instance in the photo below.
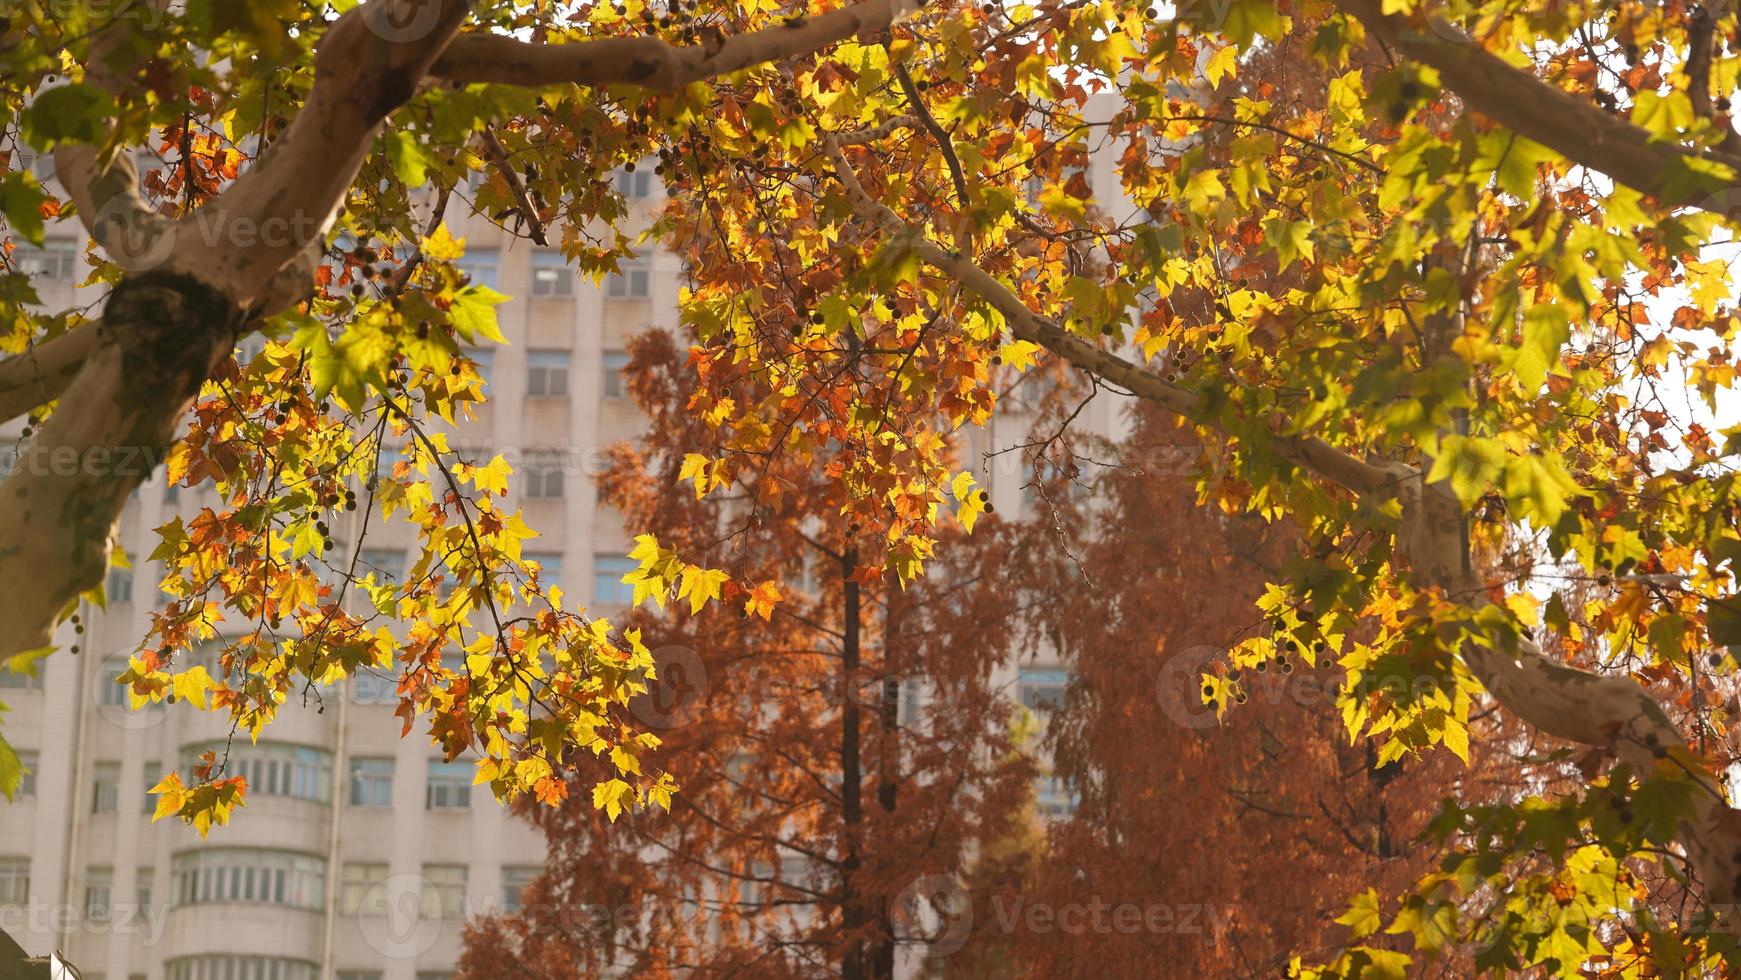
(608, 586)
(614, 362)
(481, 266)
(551, 275)
(549, 567)
(547, 373)
(371, 782)
(1042, 688)
(450, 785)
(106, 787)
(388, 564)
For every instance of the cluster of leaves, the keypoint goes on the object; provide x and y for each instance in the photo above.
(787, 850)
(1310, 241)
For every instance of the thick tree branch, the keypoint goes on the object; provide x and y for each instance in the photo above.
(1572, 127)
(39, 375)
(368, 64)
(59, 506)
(652, 63)
(1578, 705)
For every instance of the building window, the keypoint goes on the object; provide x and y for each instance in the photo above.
(114, 694)
(481, 266)
(98, 883)
(628, 283)
(608, 587)
(359, 975)
(106, 788)
(542, 475)
(18, 680)
(614, 362)
(223, 966)
(371, 782)
(549, 567)
(547, 373)
(54, 260)
(373, 687)
(1054, 797)
(515, 878)
(388, 564)
(142, 887)
(151, 776)
(450, 785)
(27, 785)
(443, 891)
(14, 880)
(296, 771)
(171, 493)
(120, 585)
(912, 701)
(1042, 688)
(634, 184)
(360, 891)
(234, 874)
(551, 275)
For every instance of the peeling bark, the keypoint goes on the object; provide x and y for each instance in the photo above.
(160, 338)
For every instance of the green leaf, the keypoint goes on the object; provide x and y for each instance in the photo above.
(474, 314)
(11, 769)
(21, 201)
(1546, 328)
(409, 159)
(73, 113)
(1723, 620)
(1471, 464)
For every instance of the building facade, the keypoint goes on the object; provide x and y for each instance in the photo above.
(359, 854)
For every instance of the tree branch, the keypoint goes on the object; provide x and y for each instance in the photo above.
(652, 63)
(499, 156)
(1559, 700)
(1312, 453)
(39, 375)
(1572, 127)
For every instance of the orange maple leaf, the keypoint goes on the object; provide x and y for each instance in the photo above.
(762, 599)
